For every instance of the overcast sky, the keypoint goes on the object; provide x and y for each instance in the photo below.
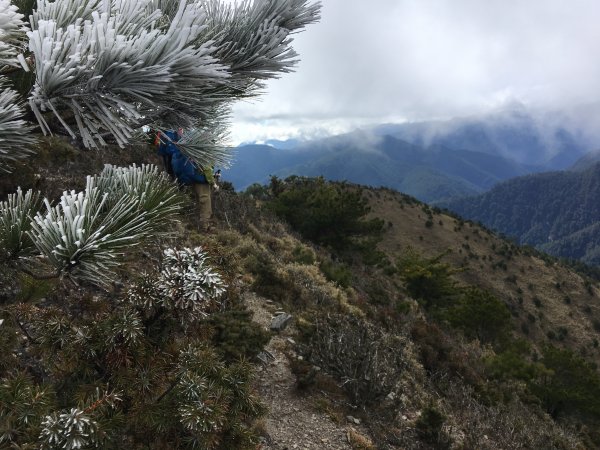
(376, 61)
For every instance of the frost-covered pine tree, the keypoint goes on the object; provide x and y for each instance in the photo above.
(102, 71)
(105, 68)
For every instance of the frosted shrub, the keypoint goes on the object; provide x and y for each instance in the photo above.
(188, 282)
(15, 221)
(104, 69)
(76, 427)
(70, 430)
(186, 285)
(84, 235)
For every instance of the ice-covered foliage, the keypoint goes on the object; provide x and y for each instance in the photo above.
(15, 133)
(16, 139)
(105, 68)
(76, 428)
(189, 282)
(12, 33)
(155, 195)
(205, 146)
(15, 221)
(86, 232)
(70, 430)
(186, 285)
(73, 237)
(201, 409)
(115, 67)
(253, 38)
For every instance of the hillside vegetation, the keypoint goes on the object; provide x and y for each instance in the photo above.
(483, 327)
(433, 331)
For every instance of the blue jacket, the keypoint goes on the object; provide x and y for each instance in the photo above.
(185, 171)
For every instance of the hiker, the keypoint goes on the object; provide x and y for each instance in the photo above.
(201, 179)
(165, 141)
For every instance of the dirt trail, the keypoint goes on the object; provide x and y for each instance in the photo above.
(292, 421)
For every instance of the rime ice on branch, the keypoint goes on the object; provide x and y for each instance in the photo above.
(105, 68)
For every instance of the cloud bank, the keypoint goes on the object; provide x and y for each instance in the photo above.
(398, 60)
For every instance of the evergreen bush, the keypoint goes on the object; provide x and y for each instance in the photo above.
(329, 214)
(126, 372)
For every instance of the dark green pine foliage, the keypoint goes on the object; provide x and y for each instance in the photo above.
(479, 315)
(571, 386)
(329, 214)
(557, 212)
(236, 336)
(80, 368)
(428, 280)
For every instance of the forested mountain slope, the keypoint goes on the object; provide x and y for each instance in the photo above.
(555, 211)
(550, 141)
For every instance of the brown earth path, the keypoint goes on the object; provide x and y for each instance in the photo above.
(292, 422)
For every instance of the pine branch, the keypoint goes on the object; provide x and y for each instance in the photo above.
(12, 33)
(40, 276)
(16, 139)
(86, 233)
(170, 388)
(103, 68)
(15, 222)
(25, 332)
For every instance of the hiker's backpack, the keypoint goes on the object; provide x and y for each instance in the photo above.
(167, 146)
(185, 170)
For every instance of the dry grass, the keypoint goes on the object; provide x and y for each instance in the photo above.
(535, 290)
(358, 441)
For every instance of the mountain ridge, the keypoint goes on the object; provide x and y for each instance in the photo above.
(433, 161)
(556, 211)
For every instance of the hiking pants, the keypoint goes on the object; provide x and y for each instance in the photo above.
(202, 192)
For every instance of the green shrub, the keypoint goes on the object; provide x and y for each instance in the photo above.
(572, 385)
(428, 281)
(513, 363)
(303, 255)
(479, 315)
(429, 427)
(329, 214)
(339, 273)
(257, 191)
(236, 336)
(267, 279)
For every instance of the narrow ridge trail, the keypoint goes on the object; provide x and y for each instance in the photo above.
(292, 421)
